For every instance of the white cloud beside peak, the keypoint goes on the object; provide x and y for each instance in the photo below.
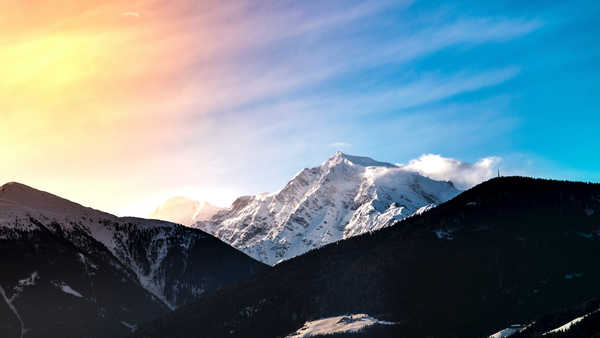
(464, 175)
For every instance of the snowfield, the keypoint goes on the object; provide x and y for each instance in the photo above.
(339, 324)
(343, 197)
(64, 287)
(509, 331)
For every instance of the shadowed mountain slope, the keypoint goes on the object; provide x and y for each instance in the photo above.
(500, 253)
(72, 271)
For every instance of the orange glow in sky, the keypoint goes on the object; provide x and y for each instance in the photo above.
(122, 104)
(87, 86)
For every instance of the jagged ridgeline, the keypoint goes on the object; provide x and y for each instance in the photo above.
(72, 271)
(501, 253)
(343, 197)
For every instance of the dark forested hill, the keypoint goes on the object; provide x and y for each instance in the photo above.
(581, 320)
(71, 271)
(500, 253)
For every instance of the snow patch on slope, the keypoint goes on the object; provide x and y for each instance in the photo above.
(25, 282)
(340, 324)
(12, 307)
(509, 331)
(151, 279)
(423, 209)
(64, 287)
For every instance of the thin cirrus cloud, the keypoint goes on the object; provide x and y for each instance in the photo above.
(218, 89)
(429, 88)
(264, 78)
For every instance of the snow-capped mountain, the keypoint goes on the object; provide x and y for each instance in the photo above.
(515, 250)
(343, 197)
(62, 258)
(182, 210)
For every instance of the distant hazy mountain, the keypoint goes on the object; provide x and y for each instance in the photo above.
(72, 271)
(343, 197)
(182, 210)
(501, 253)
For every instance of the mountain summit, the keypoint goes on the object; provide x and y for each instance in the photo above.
(62, 260)
(345, 196)
(14, 195)
(357, 160)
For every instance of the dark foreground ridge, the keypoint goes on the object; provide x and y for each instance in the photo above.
(59, 279)
(501, 253)
(546, 325)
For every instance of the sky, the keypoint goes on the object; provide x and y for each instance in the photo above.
(120, 105)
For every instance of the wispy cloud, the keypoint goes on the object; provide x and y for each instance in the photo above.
(324, 61)
(223, 88)
(428, 88)
(463, 174)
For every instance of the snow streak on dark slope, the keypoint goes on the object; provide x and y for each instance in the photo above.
(72, 271)
(581, 320)
(500, 253)
(343, 197)
(59, 290)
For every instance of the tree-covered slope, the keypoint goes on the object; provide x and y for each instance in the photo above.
(72, 271)
(502, 252)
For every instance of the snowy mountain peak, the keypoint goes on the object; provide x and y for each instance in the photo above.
(363, 161)
(183, 210)
(345, 196)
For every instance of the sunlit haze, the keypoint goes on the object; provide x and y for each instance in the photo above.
(120, 105)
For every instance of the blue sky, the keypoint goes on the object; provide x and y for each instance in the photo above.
(513, 79)
(240, 96)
